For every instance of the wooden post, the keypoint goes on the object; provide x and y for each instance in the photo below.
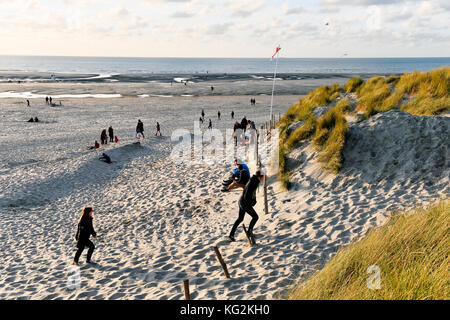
(187, 294)
(251, 239)
(266, 207)
(222, 263)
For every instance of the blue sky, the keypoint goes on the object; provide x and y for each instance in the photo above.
(226, 28)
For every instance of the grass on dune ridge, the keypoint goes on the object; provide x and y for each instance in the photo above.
(426, 93)
(411, 251)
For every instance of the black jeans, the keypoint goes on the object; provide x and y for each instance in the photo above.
(81, 246)
(245, 208)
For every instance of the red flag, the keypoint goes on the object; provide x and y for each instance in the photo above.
(276, 51)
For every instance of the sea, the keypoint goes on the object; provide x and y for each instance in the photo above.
(140, 69)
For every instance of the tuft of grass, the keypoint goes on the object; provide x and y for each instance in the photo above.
(302, 111)
(353, 84)
(301, 133)
(430, 92)
(284, 176)
(411, 252)
(331, 131)
(427, 106)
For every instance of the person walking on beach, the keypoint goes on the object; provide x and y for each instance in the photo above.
(84, 230)
(50, 100)
(28, 103)
(111, 134)
(232, 114)
(140, 128)
(46, 100)
(210, 124)
(103, 137)
(246, 204)
(218, 114)
(158, 129)
(203, 114)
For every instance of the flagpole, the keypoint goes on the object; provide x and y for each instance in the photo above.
(273, 85)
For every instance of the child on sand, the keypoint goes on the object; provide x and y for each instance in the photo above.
(84, 231)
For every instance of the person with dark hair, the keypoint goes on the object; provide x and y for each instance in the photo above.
(46, 100)
(36, 119)
(218, 114)
(30, 120)
(232, 114)
(236, 131)
(28, 103)
(210, 124)
(140, 128)
(105, 158)
(84, 231)
(50, 100)
(111, 134)
(103, 137)
(246, 203)
(242, 180)
(158, 129)
(244, 123)
(203, 114)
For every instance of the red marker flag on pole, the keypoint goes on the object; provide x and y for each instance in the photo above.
(276, 51)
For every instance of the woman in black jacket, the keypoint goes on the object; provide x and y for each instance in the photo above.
(246, 203)
(84, 231)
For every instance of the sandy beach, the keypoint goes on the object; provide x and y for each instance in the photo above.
(157, 221)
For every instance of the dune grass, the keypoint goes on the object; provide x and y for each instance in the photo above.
(330, 134)
(353, 84)
(302, 111)
(419, 93)
(412, 252)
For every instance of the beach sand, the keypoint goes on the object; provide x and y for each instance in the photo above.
(157, 221)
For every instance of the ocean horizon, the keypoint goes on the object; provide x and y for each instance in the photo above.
(109, 66)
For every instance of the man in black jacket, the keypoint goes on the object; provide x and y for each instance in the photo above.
(246, 203)
(111, 134)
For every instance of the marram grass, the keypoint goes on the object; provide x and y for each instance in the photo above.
(412, 252)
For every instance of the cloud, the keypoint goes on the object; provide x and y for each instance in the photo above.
(363, 2)
(245, 8)
(182, 14)
(219, 28)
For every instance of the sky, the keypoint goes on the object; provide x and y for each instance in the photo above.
(226, 28)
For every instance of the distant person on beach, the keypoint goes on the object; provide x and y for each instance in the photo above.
(201, 120)
(46, 100)
(84, 231)
(140, 128)
(28, 103)
(116, 139)
(95, 146)
(105, 158)
(218, 114)
(246, 203)
(210, 124)
(232, 114)
(36, 119)
(212, 88)
(50, 100)
(103, 137)
(111, 134)
(203, 114)
(244, 123)
(237, 131)
(30, 120)
(158, 129)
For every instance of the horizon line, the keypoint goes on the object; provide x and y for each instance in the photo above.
(171, 57)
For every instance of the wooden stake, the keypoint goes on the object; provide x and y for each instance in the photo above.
(266, 207)
(251, 239)
(187, 294)
(222, 263)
